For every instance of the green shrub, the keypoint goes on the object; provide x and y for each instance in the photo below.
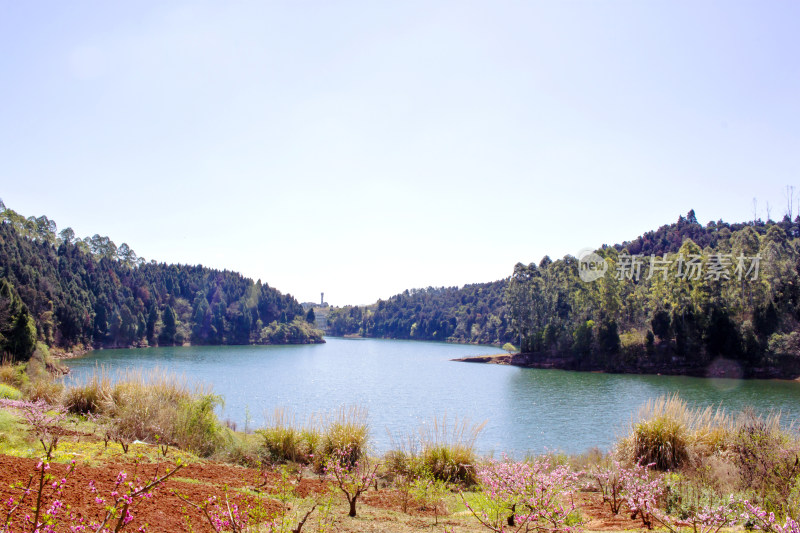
(659, 435)
(451, 463)
(197, 428)
(283, 439)
(660, 440)
(14, 375)
(242, 449)
(7, 392)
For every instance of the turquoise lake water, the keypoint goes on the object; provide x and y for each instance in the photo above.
(405, 384)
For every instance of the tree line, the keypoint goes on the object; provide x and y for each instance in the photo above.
(474, 313)
(89, 292)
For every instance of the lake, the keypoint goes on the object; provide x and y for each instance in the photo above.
(404, 384)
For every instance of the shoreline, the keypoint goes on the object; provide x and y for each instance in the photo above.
(446, 341)
(76, 352)
(719, 368)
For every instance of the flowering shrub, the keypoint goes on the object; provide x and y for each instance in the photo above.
(766, 521)
(522, 496)
(48, 487)
(353, 477)
(642, 492)
(704, 519)
(227, 518)
(609, 481)
(42, 485)
(41, 416)
(121, 501)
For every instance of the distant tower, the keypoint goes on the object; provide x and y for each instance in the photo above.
(322, 299)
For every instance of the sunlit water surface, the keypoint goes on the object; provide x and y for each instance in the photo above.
(404, 384)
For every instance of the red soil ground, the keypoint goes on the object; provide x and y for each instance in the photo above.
(166, 512)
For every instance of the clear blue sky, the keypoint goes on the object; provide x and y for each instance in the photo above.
(362, 148)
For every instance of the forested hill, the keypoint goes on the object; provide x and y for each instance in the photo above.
(672, 300)
(65, 291)
(474, 313)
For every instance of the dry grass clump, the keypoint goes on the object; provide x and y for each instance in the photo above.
(768, 460)
(151, 406)
(286, 440)
(666, 432)
(92, 397)
(443, 449)
(39, 383)
(347, 429)
(317, 437)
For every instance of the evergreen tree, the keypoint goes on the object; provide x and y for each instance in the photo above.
(170, 329)
(21, 340)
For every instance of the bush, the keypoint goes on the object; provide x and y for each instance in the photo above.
(197, 428)
(151, 407)
(7, 392)
(667, 432)
(14, 375)
(767, 457)
(451, 463)
(352, 477)
(347, 430)
(93, 397)
(44, 388)
(662, 441)
(242, 449)
(141, 407)
(442, 449)
(525, 497)
(717, 455)
(283, 440)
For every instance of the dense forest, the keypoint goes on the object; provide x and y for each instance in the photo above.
(474, 313)
(673, 299)
(67, 292)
